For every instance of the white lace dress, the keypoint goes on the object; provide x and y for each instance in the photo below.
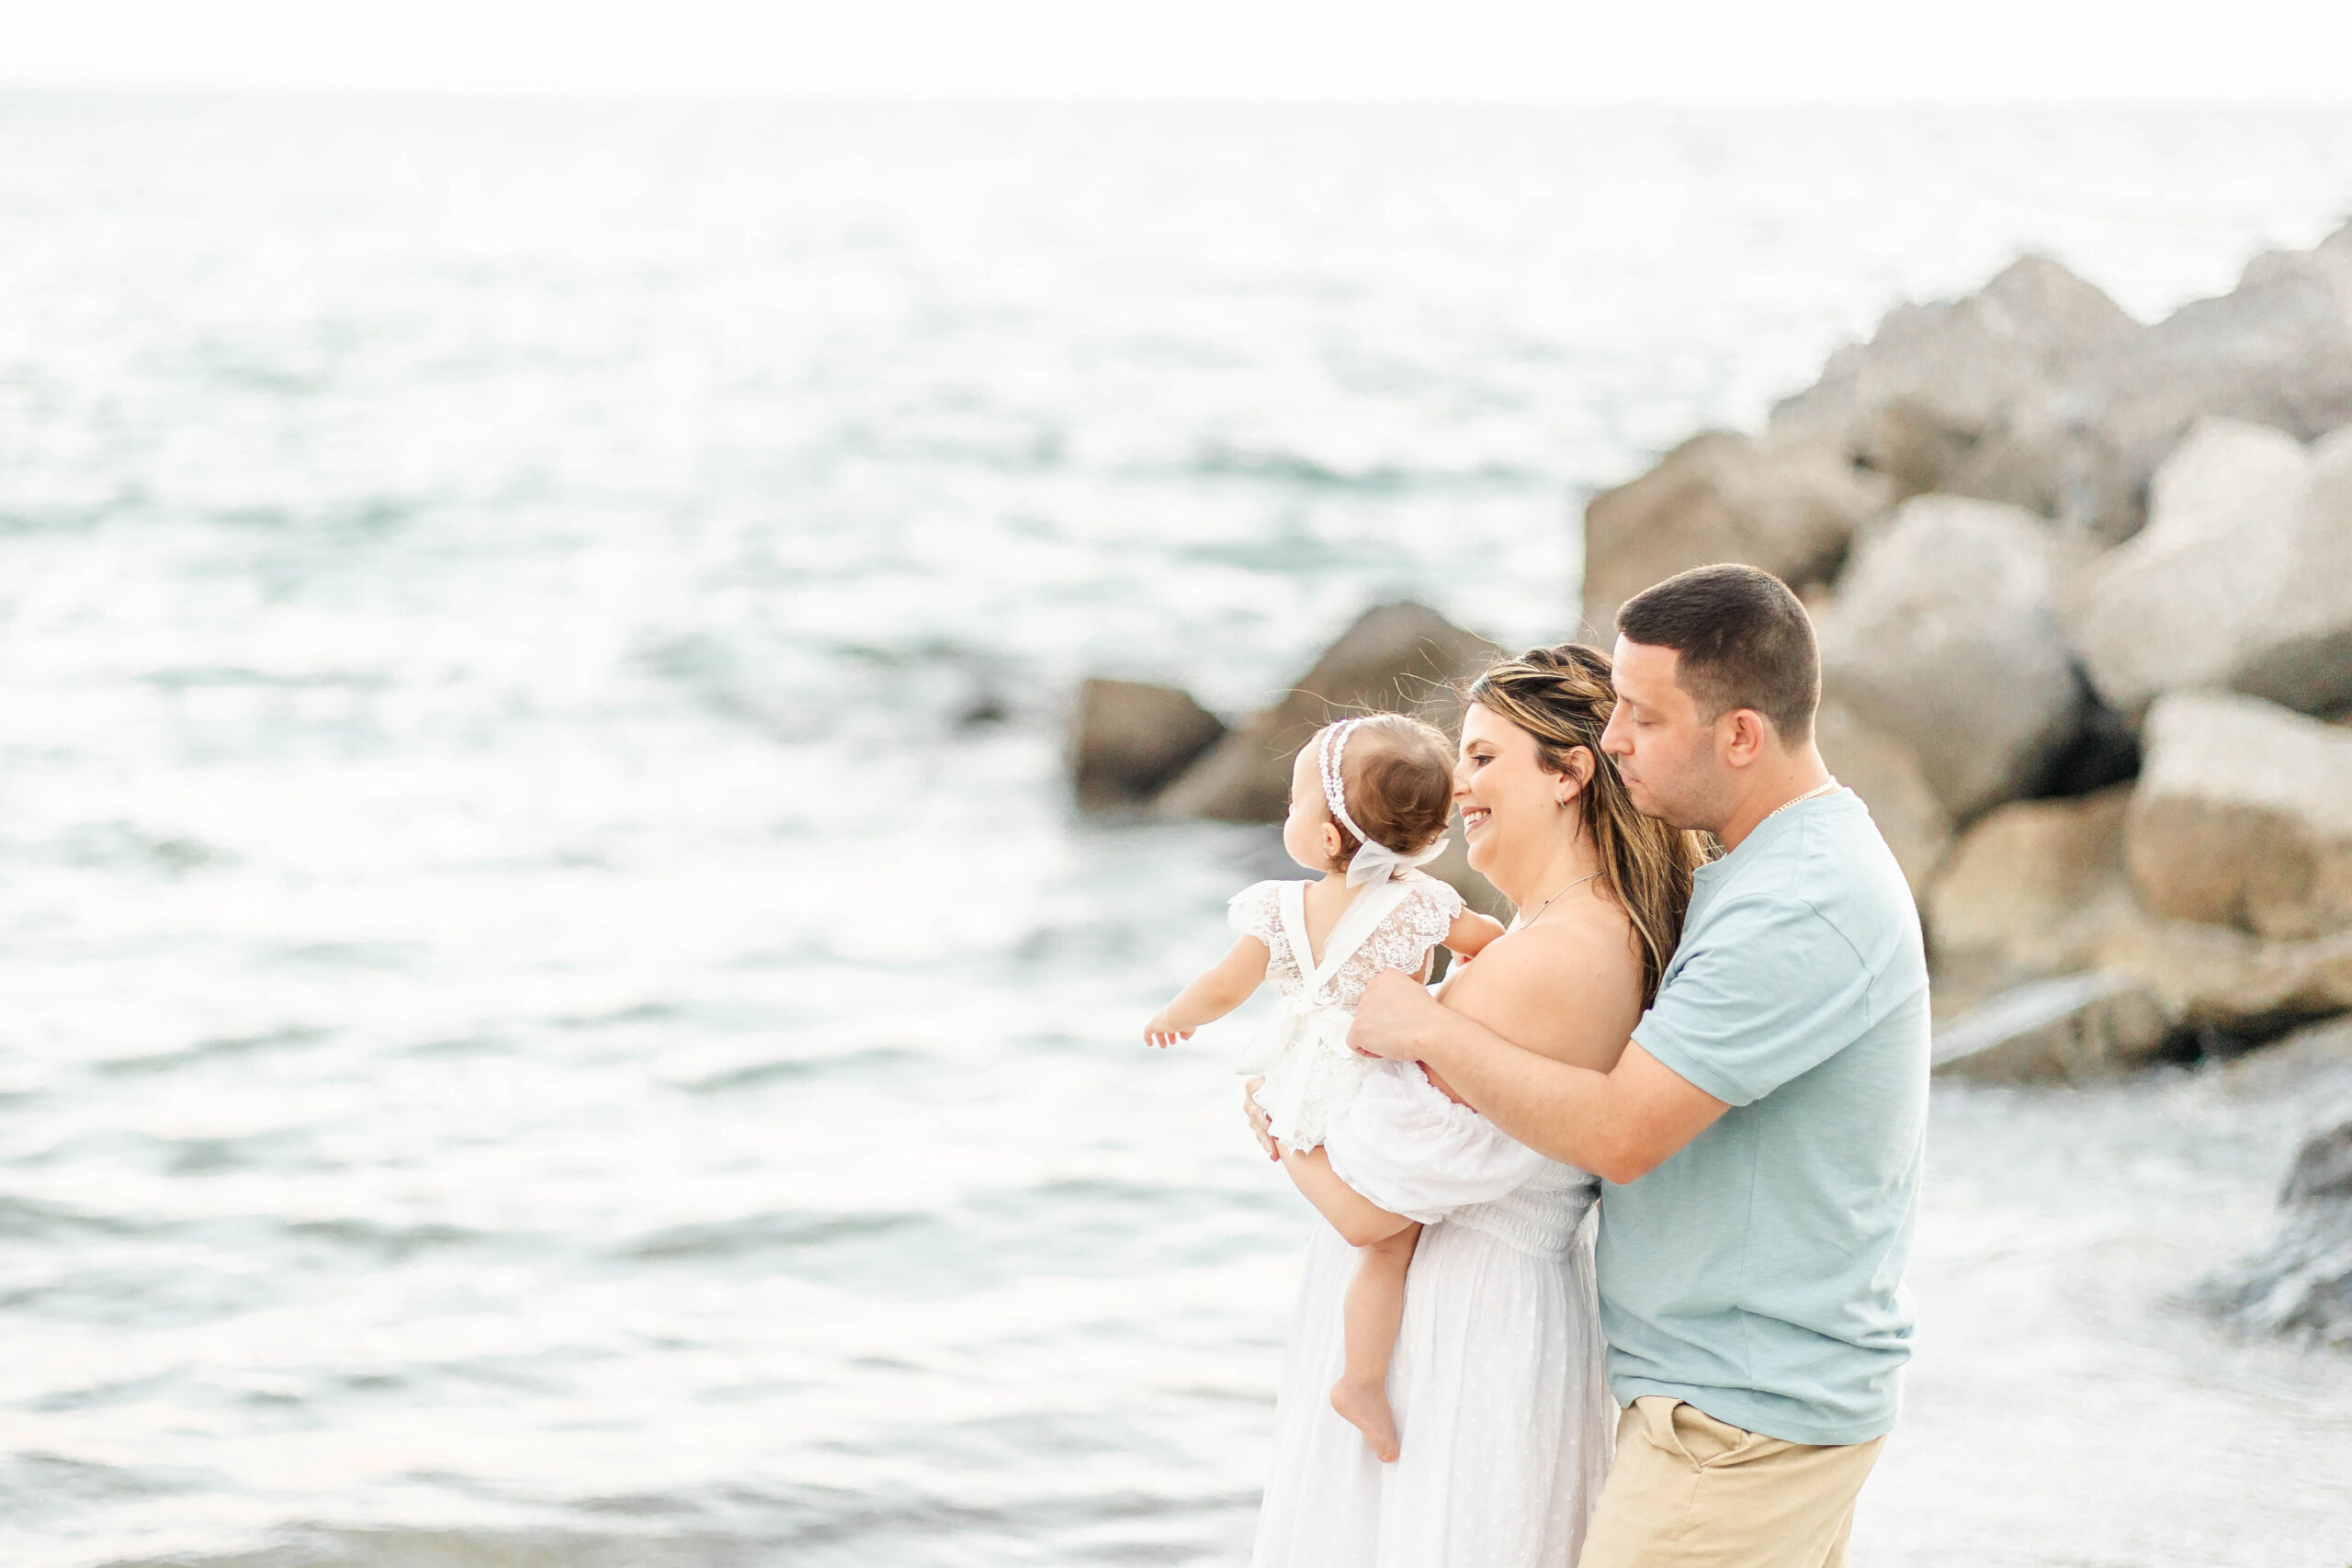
(1502, 1410)
(1309, 1069)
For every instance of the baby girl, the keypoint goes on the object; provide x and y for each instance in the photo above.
(1369, 798)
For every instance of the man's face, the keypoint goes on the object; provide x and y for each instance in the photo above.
(1665, 749)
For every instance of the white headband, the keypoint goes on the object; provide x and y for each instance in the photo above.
(1374, 861)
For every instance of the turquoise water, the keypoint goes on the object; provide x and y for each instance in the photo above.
(557, 1008)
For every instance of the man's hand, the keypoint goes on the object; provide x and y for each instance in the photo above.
(1260, 1122)
(1390, 1018)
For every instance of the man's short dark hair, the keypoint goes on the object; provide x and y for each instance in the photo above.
(1744, 639)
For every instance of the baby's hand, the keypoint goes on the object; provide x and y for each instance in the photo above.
(1159, 1034)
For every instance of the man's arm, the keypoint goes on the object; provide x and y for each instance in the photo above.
(1620, 1125)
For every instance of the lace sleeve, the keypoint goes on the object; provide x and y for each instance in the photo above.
(1402, 940)
(1432, 909)
(1254, 911)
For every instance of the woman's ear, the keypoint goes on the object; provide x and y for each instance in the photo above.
(1572, 783)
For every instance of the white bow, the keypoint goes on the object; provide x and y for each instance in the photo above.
(1321, 1023)
(1378, 862)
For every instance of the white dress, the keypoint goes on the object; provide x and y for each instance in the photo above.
(1309, 1069)
(1502, 1411)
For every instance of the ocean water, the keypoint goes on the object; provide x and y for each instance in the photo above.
(556, 1010)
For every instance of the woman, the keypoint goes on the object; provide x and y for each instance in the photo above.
(1501, 1410)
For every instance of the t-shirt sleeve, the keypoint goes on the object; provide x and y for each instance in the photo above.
(1772, 992)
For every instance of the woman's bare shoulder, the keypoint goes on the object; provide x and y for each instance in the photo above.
(1568, 988)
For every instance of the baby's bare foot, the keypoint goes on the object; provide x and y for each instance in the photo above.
(1365, 1405)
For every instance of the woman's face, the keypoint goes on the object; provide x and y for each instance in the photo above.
(1510, 807)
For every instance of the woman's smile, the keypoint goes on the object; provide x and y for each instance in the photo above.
(1474, 816)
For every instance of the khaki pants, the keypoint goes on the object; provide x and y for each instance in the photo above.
(1688, 1491)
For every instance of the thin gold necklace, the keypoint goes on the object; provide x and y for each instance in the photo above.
(1556, 897)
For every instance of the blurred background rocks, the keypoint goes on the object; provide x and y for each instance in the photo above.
(2084, 588)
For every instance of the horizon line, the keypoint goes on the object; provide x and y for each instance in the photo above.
(800, 98)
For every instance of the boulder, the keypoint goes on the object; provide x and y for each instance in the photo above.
(2028, 892)
(2070, 1030)
(1397, 658)
(2275, 350)
(1942, 636)
(1789, 506)
(1957, 396)
(2301, 1285)
(2243, 577)
(2242, 817)
(2219, 984)
(2038, 391)
(1129, 738)
(1886, 776)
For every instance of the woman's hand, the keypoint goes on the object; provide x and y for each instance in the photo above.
(1261, 1125)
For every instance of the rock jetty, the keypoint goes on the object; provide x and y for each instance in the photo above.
(2084, 588)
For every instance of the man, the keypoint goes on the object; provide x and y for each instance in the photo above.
(1762, 1136)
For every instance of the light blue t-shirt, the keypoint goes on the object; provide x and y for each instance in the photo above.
(1758, 1273)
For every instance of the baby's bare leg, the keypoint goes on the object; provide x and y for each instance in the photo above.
(1375, 1309)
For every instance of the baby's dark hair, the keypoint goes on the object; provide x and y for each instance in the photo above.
(1397, 773)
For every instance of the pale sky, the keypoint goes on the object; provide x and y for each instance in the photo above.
(1698, 51)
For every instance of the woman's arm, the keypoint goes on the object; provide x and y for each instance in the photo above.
(1228, 983)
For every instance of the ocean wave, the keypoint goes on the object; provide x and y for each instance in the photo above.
(216, 1049)
(798, 1069)
(1221, 460)
(778, 1230)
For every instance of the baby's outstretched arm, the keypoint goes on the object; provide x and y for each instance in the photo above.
(1472, 931)
(1226, 986)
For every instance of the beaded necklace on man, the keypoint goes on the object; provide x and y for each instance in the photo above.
(1815, 793)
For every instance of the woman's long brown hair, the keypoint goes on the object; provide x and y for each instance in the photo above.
(1562, 696)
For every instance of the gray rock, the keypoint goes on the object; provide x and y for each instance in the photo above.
(2039, 392)
(1957, 396)
(2219, 983)
(2070, 1030)
(2275, 350)
(1395, 658)
(2242, 578)
(1942, 636)
(2242, 816)
(1128, 738)
(2301, 1285)
(1886, 776)
(2028, 892)
(1789, 506)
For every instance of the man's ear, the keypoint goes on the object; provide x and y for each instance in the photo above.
(1744, 735)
